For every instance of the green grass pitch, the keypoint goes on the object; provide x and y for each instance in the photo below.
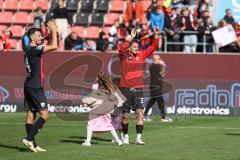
(187, 138)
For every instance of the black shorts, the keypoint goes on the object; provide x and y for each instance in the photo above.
(134, 99)
(34, 99)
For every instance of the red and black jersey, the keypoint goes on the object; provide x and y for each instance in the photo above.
(34, 66)
(132, 65)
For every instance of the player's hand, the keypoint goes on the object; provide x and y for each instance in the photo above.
(156, 32)
(52, 25)
(133, 33)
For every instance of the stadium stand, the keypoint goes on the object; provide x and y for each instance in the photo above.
(26, 5)
(102, 5)
(79, 30)
(72, 5)
(92, 32)
(97, 19)
(82, 18)
(20, 18)
(6, 17)
(17, 31)
(87, 5)
(11, 5)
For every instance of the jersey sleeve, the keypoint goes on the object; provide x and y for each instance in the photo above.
(149, 51)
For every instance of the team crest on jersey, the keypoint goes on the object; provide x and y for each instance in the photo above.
(43, 105)
(137, 58)
(39, 47)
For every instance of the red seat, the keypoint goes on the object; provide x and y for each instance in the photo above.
(16, 30)
(79, 30)
(31, 18)
(11, 5)
(117, 6)
(26, 4)
(106, 30)
(21, 18)
(2, 27)
(41, 3)
(1, 3)
(92, 32)
(146, 4)
(6, 17)
(111, 17)
(13, 43)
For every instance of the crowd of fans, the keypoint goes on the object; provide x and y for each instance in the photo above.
(185, 25)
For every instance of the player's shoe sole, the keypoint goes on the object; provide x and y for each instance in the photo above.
(29, 144)
(39, 149)
(140, 142)
(86, 144)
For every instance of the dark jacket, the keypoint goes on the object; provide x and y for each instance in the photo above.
(70, 44)
(174, 24)
(229, 20)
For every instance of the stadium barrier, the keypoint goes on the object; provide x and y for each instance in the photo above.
(203, 84)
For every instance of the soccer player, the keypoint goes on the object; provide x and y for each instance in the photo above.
(131, 83)
(158, 70)
(34, 97)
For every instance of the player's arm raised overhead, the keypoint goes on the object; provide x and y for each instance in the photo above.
(123, 48)
(147, 52)
(53, 44)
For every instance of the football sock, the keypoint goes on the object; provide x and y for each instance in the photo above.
(28, 130)
(35, 128)
(125, 128)
(89, 135)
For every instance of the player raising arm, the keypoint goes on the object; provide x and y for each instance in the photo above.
(34, 96)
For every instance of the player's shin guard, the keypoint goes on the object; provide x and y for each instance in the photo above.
(139, 130)
(125, 128)
(28, 130)
(37, 125)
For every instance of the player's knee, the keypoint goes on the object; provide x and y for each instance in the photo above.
(139, 117)
(44, 115)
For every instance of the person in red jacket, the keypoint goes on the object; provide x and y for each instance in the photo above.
(131, 83)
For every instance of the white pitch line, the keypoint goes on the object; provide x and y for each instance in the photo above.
(146, 126)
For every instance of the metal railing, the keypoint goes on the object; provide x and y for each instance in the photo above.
(204, 43)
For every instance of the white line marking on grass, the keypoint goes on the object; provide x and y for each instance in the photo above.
(146, 126)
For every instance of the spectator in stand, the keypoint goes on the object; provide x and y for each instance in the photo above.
(228, 18)
(233, 47)
(113, 33)
(60, 13)
(145, 36)
(74, 42)
(172, 29)
(6, 35)
(157, 18)
(178, 3)
(188, 28)
(202, 6)
(38, 18)
(205, 28)
(167, 6)
(150, 9)
(193, 5)
(134, 12)
(90, 45)
(102, 41)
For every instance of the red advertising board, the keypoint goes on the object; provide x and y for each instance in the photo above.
(200, 81)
